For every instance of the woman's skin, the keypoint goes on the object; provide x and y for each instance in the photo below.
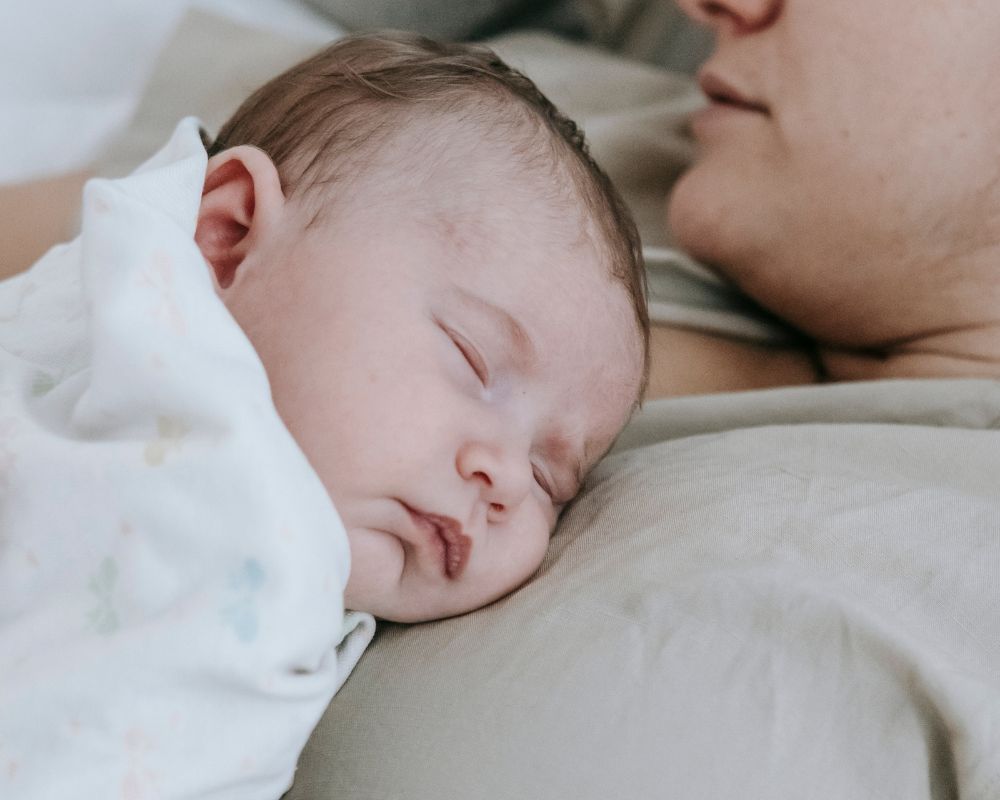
(685, 362)
(36, 215)
(848, 176)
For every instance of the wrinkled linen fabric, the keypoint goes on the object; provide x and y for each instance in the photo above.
(778, 594)
(171, 568)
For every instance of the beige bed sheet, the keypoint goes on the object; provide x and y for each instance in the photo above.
(781, 594)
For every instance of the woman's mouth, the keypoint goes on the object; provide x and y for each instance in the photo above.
(722, 93)
(728, 111)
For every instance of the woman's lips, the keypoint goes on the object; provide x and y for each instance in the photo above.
(719, 91)
(728, 107)
(445, 534)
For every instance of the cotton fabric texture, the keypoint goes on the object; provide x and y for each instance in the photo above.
(774, 594)
(171, 568)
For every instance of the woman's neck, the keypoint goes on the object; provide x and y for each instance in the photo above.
(966, 352)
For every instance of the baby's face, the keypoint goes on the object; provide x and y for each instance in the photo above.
(450, 379)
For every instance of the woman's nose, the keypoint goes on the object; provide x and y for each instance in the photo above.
(735, 16)
(502, 473)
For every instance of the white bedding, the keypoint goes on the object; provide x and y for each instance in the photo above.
(71, 73)
(171, 568)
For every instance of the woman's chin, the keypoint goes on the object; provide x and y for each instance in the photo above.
(695, 220)
(729, 226)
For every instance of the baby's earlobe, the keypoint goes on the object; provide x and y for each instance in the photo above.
(221, 232)
(217, 238)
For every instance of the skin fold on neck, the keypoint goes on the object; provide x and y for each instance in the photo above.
(967, 353)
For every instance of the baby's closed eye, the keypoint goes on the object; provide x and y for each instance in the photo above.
(542, 481)
(472, 356)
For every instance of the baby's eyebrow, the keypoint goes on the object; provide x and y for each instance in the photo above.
(514, 333)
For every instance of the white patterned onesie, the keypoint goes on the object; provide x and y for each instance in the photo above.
(171, 568)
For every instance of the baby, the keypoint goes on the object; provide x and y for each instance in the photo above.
(447, 296)
(433, 313)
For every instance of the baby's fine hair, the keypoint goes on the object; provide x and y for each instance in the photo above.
(321, 120)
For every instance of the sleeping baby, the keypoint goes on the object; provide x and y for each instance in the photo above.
(350, 362)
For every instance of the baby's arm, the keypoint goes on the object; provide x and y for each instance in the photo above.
(36, 215)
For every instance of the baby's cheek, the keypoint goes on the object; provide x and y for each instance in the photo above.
(376, 565)
(539, 530)
(550, 513)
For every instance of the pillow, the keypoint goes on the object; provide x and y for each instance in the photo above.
(796, 610)
(453, 19)
(649, 30)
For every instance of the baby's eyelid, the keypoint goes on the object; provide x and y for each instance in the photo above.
(541, 480)
(472, 356)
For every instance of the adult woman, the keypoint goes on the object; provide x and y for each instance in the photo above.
(848, 177)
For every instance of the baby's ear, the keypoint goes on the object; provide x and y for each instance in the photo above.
(240, 203)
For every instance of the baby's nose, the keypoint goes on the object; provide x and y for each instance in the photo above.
(502, 473)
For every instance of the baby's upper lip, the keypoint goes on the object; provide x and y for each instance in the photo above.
(448, 532)
(719, 90)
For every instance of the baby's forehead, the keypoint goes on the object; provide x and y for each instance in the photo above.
(510, 222)
(454, 164)
(481, 206)
(476, 204)
(472, 176)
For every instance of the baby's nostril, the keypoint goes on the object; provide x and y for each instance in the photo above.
(485, 478)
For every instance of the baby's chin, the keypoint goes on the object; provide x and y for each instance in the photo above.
(379, 584)
(377, 560)
(406, 609)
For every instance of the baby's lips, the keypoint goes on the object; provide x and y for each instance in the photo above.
(448, 532)
(458, 546)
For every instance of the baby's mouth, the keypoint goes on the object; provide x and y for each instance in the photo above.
(446, 534)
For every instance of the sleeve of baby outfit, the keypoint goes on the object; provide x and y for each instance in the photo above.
(171, 568)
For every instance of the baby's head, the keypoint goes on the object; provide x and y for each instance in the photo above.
(447, 296)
